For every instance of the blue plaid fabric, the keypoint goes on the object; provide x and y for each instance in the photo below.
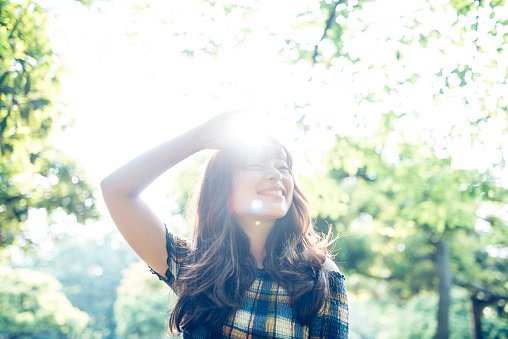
(267, 311)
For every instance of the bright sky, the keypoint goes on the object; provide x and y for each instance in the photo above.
(129, 88)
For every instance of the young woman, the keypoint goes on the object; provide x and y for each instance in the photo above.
(254, 268)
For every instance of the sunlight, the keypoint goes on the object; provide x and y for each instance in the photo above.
(253, 128)
(367, 87)
(248, 129)
(256, 204)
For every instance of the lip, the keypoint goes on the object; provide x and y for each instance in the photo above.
(274, 188)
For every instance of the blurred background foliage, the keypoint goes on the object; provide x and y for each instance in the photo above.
(33, 174)
(422, 227)
(142, 304)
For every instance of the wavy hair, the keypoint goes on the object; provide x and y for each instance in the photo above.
(220, 268)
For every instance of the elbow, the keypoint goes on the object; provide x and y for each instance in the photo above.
(111, 187)
(107, 187)
(105, 184)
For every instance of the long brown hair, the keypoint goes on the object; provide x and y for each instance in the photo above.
(220, 268)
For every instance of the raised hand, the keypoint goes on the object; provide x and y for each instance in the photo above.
(224, 130)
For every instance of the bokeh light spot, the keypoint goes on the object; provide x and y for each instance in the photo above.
(256, 204)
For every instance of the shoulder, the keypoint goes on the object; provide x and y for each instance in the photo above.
(329, 265)
(337, 283)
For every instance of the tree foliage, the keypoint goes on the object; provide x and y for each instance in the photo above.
(142, 305)
(414, 94)
(412, 187)
(33, 174)
(90, 281)
(32, 304)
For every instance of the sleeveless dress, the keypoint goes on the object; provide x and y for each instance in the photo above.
(267, 311)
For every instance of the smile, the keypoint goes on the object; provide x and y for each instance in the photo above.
(276, 193)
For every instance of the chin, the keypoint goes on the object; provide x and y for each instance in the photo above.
(261, 210)
(276, 214)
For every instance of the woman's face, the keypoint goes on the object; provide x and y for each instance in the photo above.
(263, 191)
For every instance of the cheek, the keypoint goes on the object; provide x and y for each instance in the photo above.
(238, 199)
(290, 184)
(290, 200)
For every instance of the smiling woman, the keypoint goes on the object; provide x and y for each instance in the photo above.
(254, 268)
(263, 189)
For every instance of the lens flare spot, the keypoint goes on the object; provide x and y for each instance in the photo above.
(258, 223)
(256, 204)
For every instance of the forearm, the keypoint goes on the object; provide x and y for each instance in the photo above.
(133, 177)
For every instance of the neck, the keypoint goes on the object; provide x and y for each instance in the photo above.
(257, 231)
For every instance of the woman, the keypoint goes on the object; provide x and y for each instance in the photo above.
(254, 268)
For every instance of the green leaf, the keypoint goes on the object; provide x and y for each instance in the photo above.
(39, 103)
(7, 90)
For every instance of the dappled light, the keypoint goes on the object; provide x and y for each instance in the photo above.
(396, 113)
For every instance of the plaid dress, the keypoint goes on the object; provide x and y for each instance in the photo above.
(267, 311)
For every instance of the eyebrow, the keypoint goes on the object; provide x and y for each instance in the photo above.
(270, 157)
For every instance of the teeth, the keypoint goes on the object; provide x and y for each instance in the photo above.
(279, 193)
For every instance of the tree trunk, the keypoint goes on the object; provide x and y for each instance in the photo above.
(480, 300)
(477, 316)
(445, 283)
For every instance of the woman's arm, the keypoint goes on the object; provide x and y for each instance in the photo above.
(138, 224)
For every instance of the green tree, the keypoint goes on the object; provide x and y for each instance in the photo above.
(439, 67)
(90, 271)
(33, 174)
(412, 319)
(32, 305)
(409, 221)
(463, 64)
(143, 304)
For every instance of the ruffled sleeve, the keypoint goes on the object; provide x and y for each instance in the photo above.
(177, 249)
(333, 321)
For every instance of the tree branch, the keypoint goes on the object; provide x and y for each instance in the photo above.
(480, 289)
(331, 17)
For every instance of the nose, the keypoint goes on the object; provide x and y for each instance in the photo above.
(274, 175)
